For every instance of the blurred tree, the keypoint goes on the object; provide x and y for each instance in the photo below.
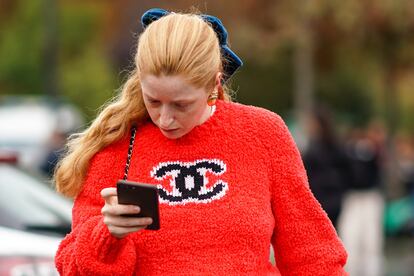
(348, 94)
(267, 85)
(55, 51)
(326, 50)
(50, 49)
(87, 77)
(21, 42)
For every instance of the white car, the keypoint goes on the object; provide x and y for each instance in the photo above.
(33, 221)
(23, 253)
(28, 125)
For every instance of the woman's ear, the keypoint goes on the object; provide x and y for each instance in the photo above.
(219, 77)
(218, 84)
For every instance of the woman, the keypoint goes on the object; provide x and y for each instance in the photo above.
(230, 177)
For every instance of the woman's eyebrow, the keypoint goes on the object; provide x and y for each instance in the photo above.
(184, 101)
(150, 98)
(180, 101)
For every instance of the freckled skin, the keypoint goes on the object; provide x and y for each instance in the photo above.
(174, 105)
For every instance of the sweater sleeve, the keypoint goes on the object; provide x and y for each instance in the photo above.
(304, 240)
(90, 249)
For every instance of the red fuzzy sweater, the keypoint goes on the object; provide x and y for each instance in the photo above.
(228, 189)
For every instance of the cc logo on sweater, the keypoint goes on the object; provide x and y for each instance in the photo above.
(189, 181)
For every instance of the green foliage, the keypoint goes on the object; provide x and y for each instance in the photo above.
(78, 28)
(84, 74)
(358, 46)
(348, 93)
(87, 81)
(21, 39)
(268, 84)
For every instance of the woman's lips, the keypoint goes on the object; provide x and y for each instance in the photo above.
(169, 130)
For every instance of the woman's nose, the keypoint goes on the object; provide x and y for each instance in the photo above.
(166, 118)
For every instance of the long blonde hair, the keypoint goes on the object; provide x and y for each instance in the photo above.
(176, 44)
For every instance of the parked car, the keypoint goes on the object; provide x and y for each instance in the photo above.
(23, 253)
(28, 126)
(33, 221)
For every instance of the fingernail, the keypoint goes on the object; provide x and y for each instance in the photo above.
(137, 209)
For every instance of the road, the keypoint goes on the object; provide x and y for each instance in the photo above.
(399, 256)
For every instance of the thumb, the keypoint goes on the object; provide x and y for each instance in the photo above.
(109, 195)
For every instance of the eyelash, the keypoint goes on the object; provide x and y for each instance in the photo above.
(179, 106)
(153, 102)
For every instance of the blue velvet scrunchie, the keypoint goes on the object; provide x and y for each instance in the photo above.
(231, 61)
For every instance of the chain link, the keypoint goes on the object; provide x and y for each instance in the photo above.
(131, 146)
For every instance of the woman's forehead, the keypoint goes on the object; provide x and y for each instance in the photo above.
(174, 86)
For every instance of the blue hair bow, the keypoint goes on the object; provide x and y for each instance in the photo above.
(232, 61)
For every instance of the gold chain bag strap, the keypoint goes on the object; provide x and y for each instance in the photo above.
(131, 146)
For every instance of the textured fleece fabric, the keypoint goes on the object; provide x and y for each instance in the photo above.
(228, 189)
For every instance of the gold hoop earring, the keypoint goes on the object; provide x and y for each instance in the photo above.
(212, 98)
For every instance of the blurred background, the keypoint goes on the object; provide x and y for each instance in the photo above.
(340, 73)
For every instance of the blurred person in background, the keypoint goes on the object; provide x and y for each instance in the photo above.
(229, 176)
(326, 163)
(404, 146)
(56, 145)
(361, 223)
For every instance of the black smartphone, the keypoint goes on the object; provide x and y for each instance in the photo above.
(143, 195)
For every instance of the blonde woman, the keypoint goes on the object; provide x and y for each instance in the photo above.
(229, 176)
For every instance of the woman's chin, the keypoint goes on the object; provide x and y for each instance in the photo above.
(173, 134)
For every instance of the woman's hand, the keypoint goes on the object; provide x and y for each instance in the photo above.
(120, 226)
